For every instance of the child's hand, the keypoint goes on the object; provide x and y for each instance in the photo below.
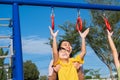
(54, 34)
(77, 65)
(84, 34)
(109, 33)
(57, 68)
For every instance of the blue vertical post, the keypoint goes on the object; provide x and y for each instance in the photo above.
(17, 59)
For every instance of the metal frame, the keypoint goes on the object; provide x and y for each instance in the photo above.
(62, 4)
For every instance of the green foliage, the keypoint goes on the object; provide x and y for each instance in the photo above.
(30, 71)
(3, 75)
(2, 53)
(86, 71)
(92, 74)
(95, 73)
(98, 41)
(88, 77)
(43, 77)
(103, 2)
(97, 36)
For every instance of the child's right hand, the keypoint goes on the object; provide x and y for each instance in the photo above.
(109, 33)
(53, 34)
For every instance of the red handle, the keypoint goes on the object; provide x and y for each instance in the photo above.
(107, 24)
(79, 24)
(52, 22)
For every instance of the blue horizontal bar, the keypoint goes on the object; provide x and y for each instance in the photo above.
(62, 4)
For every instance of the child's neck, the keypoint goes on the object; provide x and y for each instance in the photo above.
(65, 60)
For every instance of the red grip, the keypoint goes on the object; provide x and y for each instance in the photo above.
(52, 22)
(107, 24)
(79, 24)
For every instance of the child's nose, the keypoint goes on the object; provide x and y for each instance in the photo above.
(68, 47)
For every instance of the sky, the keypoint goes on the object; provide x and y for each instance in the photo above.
(34, 22)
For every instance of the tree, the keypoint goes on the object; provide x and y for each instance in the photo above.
(92, 74)
(30, 71)
(98, 42)
(43, 77)
(3, 75)
(86, 71)
(95, 73)
(97, 37)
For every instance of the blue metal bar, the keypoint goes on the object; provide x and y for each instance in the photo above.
(18, 60)
(62, 4)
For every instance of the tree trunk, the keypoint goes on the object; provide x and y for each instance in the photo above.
(110, 69)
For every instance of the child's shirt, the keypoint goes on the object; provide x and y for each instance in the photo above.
(118, 70)
(67, 70)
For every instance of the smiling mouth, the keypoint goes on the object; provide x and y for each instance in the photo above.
(64, 54)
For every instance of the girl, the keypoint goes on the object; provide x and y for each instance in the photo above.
(52, 70)
(61, 56)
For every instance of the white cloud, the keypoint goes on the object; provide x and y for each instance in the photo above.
(35, 45)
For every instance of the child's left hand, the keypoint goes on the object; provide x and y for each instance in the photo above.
(84, 34)
(56, 68)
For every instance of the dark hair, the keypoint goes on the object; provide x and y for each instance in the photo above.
(59, 46)
(119, 56)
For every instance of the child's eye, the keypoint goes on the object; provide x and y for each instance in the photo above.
(63, 49)
(67, 50)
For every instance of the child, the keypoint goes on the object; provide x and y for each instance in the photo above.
(52, 73)
(61, 56)
(52, 70)
(115, 54)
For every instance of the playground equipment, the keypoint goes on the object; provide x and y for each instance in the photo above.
(17, 65)
(107, 23)
(79, 22)
(10, 46)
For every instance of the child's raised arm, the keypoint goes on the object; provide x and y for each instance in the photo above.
(83, 47)
(54, 45)
(113, 48)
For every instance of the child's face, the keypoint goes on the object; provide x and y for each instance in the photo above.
(66, 45)
(65, 52)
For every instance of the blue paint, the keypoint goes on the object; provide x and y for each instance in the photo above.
(62, 4)
(17, 59)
